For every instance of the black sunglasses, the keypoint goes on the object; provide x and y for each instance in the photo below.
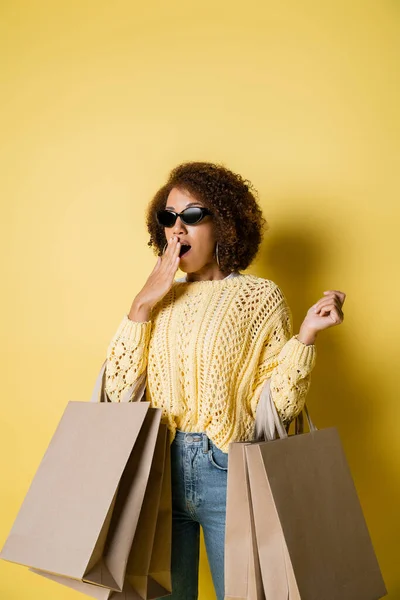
(189, 216)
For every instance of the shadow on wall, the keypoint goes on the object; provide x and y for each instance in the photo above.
(344, 392)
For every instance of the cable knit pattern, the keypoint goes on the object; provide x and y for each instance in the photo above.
(208, 350)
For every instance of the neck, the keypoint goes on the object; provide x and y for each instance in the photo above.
(199, 277)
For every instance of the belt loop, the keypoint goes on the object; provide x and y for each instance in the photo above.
(205, 443)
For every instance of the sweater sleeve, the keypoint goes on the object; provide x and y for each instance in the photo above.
(126, 357)
(287, 362)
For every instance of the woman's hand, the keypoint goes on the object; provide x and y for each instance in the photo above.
(158, 283)
(327, 312)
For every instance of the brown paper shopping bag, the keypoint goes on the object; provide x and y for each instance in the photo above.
(149, 563)
(148, 567)
(148, 570)
(312, 538)
(242, 568)
(81, 512)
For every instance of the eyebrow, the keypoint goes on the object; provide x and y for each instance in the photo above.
(187, 205)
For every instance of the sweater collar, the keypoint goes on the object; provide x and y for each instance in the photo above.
(233, 274)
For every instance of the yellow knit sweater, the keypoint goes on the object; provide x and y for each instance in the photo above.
(208, 350)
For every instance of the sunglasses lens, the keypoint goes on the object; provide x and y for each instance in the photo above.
(192, 215)
(166, 218)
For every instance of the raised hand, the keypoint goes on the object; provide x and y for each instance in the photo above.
(327, 312)
(158, 283)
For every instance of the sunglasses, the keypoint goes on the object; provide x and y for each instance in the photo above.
(189, 216)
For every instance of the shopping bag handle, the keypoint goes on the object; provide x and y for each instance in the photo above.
(134, 393)
(268, 421)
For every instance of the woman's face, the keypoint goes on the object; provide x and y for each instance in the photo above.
(200, 237)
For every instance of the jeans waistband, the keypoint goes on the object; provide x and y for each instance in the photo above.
(184, 438)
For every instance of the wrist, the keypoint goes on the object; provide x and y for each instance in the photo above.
(307, 336)
(140, 310)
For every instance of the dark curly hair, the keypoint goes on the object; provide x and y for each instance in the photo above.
(237, 216)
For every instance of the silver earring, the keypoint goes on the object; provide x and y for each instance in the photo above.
(165, 247)
(216, 254)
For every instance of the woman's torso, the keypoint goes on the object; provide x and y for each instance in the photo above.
(203, 352)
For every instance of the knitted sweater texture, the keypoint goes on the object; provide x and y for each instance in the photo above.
(206, 353)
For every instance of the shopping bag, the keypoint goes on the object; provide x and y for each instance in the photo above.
(80, 514)
(149, 563)
(242, 568)
(148, 570)
(312, 538)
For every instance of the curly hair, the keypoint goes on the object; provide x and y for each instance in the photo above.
(237, 216)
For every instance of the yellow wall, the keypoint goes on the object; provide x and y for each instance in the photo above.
(98, 101)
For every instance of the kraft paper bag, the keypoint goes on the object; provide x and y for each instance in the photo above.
(312, 538)
(149, 564)
(150, 575)
(242, 568)
(148, 571)
(79, 516)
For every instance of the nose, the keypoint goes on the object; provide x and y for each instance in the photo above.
(178, 227)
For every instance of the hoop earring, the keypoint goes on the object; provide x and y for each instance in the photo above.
(217, 255)
(165, 247)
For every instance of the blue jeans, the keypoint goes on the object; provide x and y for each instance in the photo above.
(199, 473)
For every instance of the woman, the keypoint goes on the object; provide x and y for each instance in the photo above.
(208, 343)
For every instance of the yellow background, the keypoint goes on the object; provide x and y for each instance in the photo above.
(99, 100)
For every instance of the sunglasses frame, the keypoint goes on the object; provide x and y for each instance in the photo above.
(204, 212)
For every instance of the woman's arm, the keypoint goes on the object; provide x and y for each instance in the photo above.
(289, 359)
(127, 357)
(291, 378)
(287, 362)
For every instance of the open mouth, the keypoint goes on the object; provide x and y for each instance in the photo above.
(184, 250)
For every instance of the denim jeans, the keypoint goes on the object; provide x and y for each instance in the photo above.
(199, 473)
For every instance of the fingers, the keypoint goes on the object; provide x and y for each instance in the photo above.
(172, 251)
(334, 296)
(176, 246)
(335, 316)
(325, 307)
(172, 255)
(334, 312)
(329, 307)
(328, 302)
(341, 295)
